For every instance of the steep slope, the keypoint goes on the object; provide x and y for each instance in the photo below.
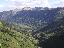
(13, 39)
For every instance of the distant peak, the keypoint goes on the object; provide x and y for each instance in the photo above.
(27, 8)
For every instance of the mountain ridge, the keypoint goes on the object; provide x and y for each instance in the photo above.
(36, 18)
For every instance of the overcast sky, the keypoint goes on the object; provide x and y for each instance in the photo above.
(12, 4)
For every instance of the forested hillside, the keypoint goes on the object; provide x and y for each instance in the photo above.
(10, 38)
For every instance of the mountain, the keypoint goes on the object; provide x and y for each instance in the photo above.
(37, 17)
(56, 25)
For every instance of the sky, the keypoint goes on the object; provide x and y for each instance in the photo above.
(12, 4)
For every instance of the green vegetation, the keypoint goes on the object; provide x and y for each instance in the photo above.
(1, 25)
(14, 39)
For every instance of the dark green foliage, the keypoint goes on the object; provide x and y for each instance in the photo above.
(56, 41)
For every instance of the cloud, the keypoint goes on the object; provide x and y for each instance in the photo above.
(56, 3)
(33, 3)
(30, 3)
(12, 4)
(1, 6)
